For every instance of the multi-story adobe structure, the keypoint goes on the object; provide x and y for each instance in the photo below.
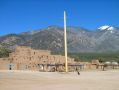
(25, 58)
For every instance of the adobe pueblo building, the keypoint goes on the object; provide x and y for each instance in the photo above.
(25, 58)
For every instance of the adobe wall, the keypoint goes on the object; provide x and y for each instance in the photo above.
(4, 64)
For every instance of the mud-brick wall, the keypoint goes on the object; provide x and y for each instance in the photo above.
(4, 64)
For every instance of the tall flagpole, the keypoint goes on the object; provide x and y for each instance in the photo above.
(65, 43)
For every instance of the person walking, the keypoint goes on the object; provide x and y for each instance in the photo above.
(77, 71)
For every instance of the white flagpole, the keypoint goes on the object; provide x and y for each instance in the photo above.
(65, 43)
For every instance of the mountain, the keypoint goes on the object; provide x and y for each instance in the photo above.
(111, 29)
(104, 39)
(106, 27)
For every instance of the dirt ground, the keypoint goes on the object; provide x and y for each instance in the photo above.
(87, 80)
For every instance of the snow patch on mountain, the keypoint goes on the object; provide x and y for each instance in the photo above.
(106, 27)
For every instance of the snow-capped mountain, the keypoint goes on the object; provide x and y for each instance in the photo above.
(106, 27)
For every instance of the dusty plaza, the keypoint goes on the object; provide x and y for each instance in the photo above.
(88, 80)
(29, 69)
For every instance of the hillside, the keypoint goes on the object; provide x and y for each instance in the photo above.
(103, 39)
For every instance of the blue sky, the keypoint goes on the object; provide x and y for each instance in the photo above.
(24, 15)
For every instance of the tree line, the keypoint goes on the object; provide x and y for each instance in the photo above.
(102, 57)
(4, 52)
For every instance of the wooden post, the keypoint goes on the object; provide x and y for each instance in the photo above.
(65, 43)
